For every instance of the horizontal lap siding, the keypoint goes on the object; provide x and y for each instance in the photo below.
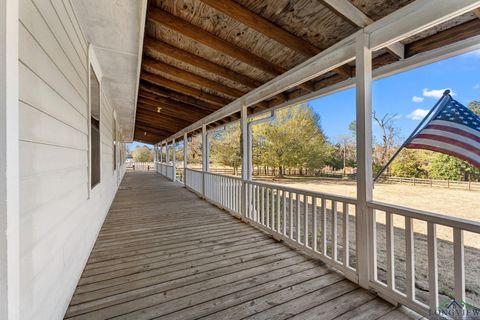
(59, 223)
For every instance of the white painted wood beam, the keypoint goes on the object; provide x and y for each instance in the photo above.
(346, 9)
(364, 156)
(9, 162)
(414, 18)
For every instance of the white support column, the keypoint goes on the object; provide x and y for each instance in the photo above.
(167, 155)
(364, 220)
(174, 161)
(185, 157)
(246, 152)
(204, 156)
(9, 162)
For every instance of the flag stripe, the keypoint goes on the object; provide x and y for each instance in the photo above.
(455, 129)
(451, 135)
(437, 149)
(448, 140)
(455, 125)
(446, 146)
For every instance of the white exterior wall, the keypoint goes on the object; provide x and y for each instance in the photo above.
(59, 219)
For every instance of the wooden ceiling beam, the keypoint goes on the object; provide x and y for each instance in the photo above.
(269, 29)
(167, 110)
(194, 32)
(184, 89)
(477, 12)
(348, 11)
(264, 26)
(160, 47)
(173, 95)
(147, 127)
(162, 102)
(159, 66)
(162, 117)
(160, 124)
(459, 32)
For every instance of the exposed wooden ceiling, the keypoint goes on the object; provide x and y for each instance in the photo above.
(200, 55)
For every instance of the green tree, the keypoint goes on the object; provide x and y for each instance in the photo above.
(410, 163)
(142, 154)
(293, 139)
(225, 147)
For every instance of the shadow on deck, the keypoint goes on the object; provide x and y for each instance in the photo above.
(165, 253)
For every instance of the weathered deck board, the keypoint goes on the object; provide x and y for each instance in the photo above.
(163, 253)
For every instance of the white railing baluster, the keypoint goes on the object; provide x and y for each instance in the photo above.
(278, 211)
(263, 205)
(267, 208)
(410, 259)
(305, 222)
(390, 251)
(459, 265)
(273, 209)
(334, 230)
(346, 237)
(432, 266)
(314, 224)
(324, 227)
(284, 212)
(297, 198)
(290, 231)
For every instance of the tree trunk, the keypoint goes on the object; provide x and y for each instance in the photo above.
(280, 171)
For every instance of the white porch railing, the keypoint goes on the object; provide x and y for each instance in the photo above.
(324, 226)
(407, 295)
(165, 170)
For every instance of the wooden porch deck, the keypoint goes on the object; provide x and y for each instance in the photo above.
(163, 253)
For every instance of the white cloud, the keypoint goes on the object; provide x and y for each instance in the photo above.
(477, 86)
(418, 114)
(417, 99)
(436, 93)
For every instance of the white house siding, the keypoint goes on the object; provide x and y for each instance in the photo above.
(59, 220)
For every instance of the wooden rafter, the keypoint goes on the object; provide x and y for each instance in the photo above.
(264, 26)
(173, 95)
(184, 89)
(161, 67)
(477, 12)
(166, 110)
(348, 11)
(162, 119)
(269, 29)
(172, 104)
(199, 62)
(194, 32)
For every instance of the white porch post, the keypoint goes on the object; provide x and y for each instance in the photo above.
(364, 219)
(204, 156)
(246, 151)
(9, 165)
(185, 157)
(167, 156)
(174, 161)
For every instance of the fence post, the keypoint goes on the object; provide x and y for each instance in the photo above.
(246, 152)
(204, 157)
(185, 158)
(364, 216)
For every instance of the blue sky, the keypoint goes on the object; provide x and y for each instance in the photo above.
(409, 94)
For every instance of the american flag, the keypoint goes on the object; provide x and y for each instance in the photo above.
(453, 130)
